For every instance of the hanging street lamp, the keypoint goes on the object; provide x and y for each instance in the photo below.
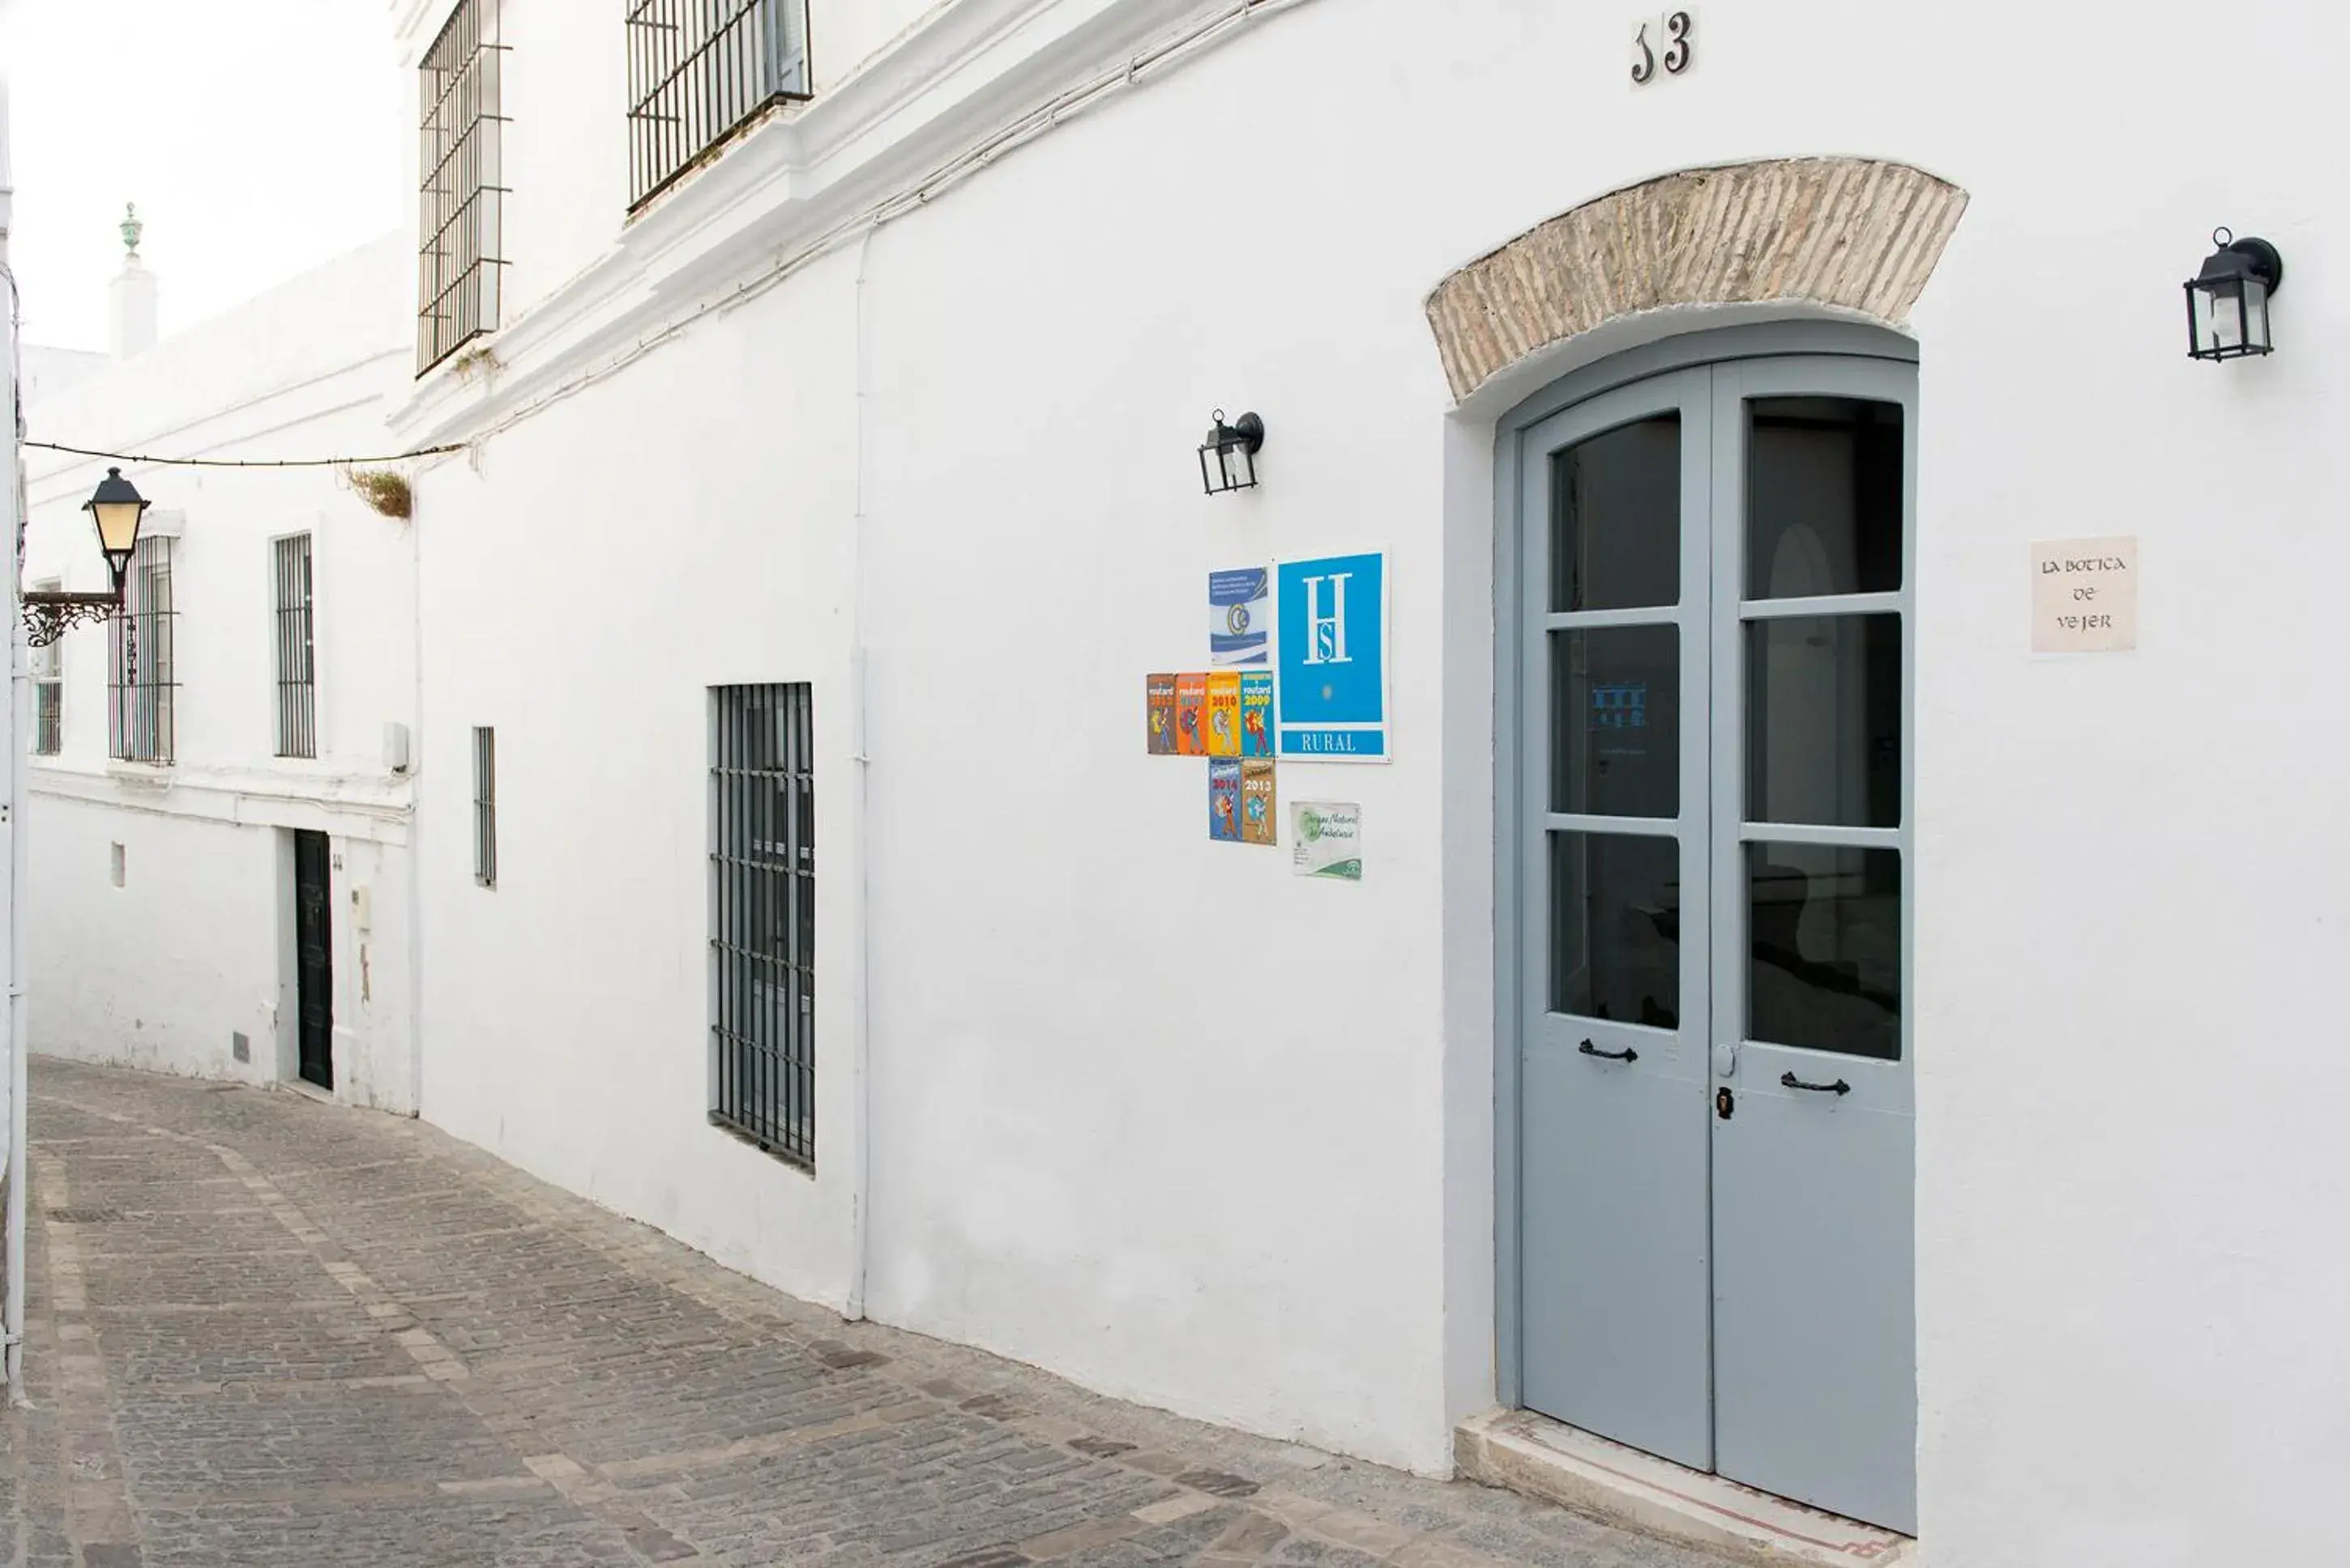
(2228, 301)
(115, 509)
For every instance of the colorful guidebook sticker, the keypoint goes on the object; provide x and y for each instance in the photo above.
(1160, 705)
(1224, 799)
(1256, 713)
(1190, 699)
(1223, 714)
(1258, 824)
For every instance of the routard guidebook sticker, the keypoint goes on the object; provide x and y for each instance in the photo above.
(1240, 618)
(1223, 713)
(1159, 711)
(1256, 713)
(1190, 700)
(1257, 801)
(1333, 664)
(1327, 840)
(1224, 799)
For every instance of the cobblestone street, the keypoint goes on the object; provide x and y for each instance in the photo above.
(266, 1330)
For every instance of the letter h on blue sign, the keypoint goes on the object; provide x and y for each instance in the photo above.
(1333, 663)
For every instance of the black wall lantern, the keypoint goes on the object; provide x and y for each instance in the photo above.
(2228, 301)
(1228, 457)
(115, 509)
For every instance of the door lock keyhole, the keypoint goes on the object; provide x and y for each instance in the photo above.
(1724, 1103)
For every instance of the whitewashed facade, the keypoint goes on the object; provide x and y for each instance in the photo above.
(49, 371)
(897, 397)
(165, 818)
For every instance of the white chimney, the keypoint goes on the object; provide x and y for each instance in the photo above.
(134, 295)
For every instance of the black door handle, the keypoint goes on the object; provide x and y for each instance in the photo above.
(1626, 1055)
(1838, 1088)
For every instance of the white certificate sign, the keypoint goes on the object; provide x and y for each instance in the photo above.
(1327, 840)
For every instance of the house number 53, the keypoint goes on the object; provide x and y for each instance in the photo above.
(1670, 41)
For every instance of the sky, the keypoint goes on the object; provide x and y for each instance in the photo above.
(259, 137)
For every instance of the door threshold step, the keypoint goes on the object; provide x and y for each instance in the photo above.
(1522, 1452)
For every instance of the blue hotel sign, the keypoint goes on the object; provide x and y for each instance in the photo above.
(1330, 621)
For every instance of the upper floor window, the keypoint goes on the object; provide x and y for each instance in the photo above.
(298, 669)
(459, 229)
(699, 69)
(142, 682)
(49, 691)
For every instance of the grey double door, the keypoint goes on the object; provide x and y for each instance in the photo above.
(1715, 1145)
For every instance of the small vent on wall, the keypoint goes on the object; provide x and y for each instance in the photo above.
(114, 864)
(240, 1047)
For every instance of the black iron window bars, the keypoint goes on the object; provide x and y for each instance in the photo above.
(762, 917)
(461, 244)
(298, 669)
(486, 805)
(699, 71)
(140, 681)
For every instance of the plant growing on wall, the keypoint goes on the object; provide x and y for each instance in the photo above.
(383, 489)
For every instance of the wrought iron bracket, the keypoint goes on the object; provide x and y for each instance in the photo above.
(49, 616)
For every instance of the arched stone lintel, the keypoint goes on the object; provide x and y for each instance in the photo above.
(1852, 235)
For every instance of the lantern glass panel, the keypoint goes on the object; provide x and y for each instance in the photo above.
(117, 526)
(2255, 316)
(2219, 319)
(1211, 466)
(1240, 468)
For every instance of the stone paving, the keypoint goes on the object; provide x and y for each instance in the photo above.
(265, 1331)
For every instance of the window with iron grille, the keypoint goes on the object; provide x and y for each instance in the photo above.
(140, 683)
(48, 690)
(700, 70)
(486, 805)
(298, 670)
(762, 917)
(459, 237)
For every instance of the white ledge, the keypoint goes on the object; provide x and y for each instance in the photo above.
(349, 805)
(970, 71)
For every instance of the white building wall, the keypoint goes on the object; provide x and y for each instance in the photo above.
(160, 972)
(847, 36)
(564, 94)
(49, 371)
(566, 1010)
(195, 946)
(1150, 1112)
(2128, 973)
(566, 122)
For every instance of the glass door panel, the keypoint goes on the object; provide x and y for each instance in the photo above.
(1615, 517)
(1824, 948)
(1616, 908)
(1615, 720)
(1824, 496)
(1823, 697)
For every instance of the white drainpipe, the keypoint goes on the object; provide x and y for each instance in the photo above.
(12, 967)
(860, 1195)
